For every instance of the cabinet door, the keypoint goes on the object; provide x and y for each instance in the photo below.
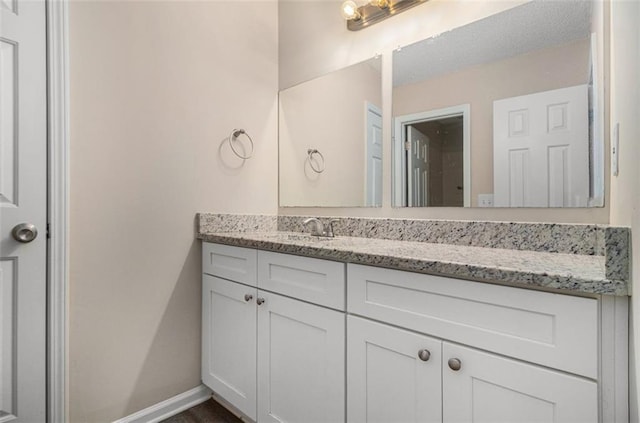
(301, 361)
(493, 389)
(387, 381)
(229, 342)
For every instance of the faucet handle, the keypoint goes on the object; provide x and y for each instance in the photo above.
(330, 232)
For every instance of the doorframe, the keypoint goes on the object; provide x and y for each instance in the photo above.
(399, 159)
(57, 206)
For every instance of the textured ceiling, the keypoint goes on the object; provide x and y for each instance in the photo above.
(532, 26)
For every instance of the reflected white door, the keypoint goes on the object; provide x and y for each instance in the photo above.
(418, 160)
(541, 149)
(374, 155)
(23, 146)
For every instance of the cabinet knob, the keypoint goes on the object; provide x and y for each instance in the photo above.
(454, 364)
(424, 355)
(260, 301)
(248, 297)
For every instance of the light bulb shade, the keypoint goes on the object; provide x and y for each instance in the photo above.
(350, 10)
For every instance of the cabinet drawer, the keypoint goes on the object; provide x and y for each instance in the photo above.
(233, 263)
(555, 330)
(314, 280)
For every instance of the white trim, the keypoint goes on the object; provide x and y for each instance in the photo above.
(399, 190)
(597, 177)
(171, 407)
(58, 205)
(614, 359)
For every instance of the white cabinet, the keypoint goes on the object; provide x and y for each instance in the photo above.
(493, 389)
(229, 342)
(278, 345)
(393, 375)
(391, 378)
(549, 330)
(300, 361)
(554, 330)
(273, 358)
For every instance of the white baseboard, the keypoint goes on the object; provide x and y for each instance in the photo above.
(171, 407)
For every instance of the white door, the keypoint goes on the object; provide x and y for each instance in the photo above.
(491, 389)
(229, 342)
(393, 375)
(541, 149)
(418, 167)
(301, 366)
(23, 144)
(374, 155)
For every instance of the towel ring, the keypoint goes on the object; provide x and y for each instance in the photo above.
(310, 153)
(232, 138)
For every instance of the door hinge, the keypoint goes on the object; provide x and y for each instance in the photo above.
(407, 145)
(48, 232)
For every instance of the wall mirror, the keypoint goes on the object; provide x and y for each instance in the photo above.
(330, 139)
(504, 112)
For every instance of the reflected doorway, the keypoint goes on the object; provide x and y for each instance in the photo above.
(432, 158)
(435, 163)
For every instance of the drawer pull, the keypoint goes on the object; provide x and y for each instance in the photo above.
(260, 301)
(424, 355)
(454, 364)
(248, 297)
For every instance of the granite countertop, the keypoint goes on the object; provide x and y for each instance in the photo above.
(566, 273)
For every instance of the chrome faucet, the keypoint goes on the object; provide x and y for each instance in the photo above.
(318, 227)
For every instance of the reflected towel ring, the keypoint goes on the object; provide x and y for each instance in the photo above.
(320, 168)
(232, 138)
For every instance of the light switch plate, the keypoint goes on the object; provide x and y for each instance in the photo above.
(615, 149)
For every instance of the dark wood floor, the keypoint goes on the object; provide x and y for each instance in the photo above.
(207, 412)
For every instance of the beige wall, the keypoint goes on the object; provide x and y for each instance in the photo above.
(625, 188)
(542, 70)
(313, 40)
(155, 88)
(328, 114)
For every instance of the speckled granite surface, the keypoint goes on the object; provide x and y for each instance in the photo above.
(209, 222)
(617, 242)
(569, 258)
(547, 237)
(571, 273)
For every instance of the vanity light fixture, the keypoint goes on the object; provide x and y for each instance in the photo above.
(374, 11)
(350, 11)
(382, 4)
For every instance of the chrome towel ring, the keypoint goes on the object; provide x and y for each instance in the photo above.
(319, 168)
(232, 139)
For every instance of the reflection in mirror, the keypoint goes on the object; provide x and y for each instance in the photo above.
(522, 85)
(330, 139)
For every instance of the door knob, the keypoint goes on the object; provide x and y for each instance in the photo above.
(248, 297)
(24, 232)
(260, 301)
(424, 355)
(454, 364)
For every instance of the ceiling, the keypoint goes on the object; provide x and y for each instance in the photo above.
(532, 26)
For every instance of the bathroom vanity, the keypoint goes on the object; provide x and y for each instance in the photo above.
(293, 337)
